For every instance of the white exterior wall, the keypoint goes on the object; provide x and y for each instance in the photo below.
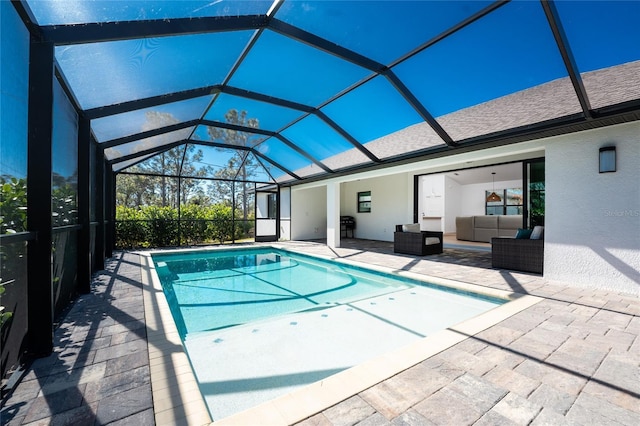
(309, 213)
(592, 233)
(389, 205)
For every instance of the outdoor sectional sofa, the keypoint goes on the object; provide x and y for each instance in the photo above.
(520, 255)
(483, 228)
(409, 239)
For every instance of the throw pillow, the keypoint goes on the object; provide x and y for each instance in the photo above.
(411, 227)
(523, 234)
(537, 233)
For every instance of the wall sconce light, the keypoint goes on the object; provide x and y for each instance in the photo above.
(607, 159)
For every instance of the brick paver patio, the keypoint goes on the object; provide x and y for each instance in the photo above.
(573, 358)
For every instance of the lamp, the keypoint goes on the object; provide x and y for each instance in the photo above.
(607, 159)
(493, 197)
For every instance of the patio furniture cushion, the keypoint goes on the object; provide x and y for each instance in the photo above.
(483, 228)
(411, 227)
(537, 233)
(464, 228)
(508, 225)
(523, 234)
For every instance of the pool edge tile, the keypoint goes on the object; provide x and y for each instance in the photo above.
(175, 401)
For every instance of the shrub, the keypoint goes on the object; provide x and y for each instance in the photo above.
(154, 226)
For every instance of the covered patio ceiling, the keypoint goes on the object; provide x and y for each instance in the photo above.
(329, 87)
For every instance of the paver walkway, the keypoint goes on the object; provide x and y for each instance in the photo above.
(99, 370)
(573, 358)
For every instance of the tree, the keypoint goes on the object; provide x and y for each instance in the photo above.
(164, 189)
(240, 166)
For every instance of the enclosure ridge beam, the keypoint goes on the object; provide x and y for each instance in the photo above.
(275, 163)
(347, 136)
(420, 109)
(68, 34)
(148, 134)
(29, 20)
(567, 56)
(304, 153)
(327, 46)
(470, 20)
(154, 150)
(230, 90)
(237, 127)
(167, 98)
(219, 145)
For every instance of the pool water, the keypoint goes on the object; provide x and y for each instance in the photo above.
(260, 323)
(214, 290)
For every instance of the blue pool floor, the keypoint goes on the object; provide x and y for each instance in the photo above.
(242, 366)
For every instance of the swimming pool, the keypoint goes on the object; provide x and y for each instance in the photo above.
(260, 323)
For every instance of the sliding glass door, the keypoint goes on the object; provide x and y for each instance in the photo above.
(534, 183)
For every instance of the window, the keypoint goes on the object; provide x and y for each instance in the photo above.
(272, 206)
(364, 202)
(510, 203)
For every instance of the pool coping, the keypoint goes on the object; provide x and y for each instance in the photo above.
(176, 394)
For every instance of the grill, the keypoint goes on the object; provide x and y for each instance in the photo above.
(347, 223)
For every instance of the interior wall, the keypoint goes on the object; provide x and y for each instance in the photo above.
(431, 202)
(452, 204)
(592, 233)
(472, 196)
(389, 205)
(308, 213)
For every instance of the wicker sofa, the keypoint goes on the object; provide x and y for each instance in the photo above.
(517, 254)
(417, 242)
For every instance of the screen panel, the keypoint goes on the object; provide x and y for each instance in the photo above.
(609, 62)
(147, 143)
(112, 72)
(81, 11)
(318, 139)
(510, 51)
(380, 30)
(373, 110)
(133, 122)
(281, 67)
(263, 115)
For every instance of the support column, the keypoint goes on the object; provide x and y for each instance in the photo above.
(84, 203)
(39, 158)
(333, 214)
(110, 210)
(100, 202)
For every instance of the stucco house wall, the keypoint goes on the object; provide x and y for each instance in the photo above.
(389, 205)
(308, 213)
(592, 234)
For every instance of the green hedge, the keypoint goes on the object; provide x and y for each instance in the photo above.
(153, 226)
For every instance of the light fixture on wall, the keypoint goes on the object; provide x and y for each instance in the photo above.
(493, 197)
(607, 159)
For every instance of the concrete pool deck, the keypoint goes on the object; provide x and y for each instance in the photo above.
(570, 358)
